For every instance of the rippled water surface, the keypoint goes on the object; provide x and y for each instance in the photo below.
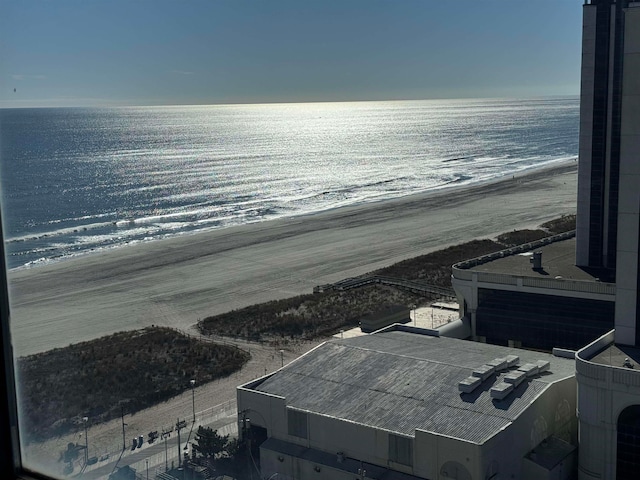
(79, 180)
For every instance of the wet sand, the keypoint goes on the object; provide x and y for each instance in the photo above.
(178, 281)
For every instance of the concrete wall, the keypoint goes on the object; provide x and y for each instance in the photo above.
(330, 435)
(292, 468)
(268, 411)
(326, 434)
(547, 416)
(600, 402)
(437, 456)
(603, 393)
(354, 440)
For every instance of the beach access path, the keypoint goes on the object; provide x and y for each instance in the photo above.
(178, 281)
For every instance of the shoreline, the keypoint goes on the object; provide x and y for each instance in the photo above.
(442, 189)
(176, 281)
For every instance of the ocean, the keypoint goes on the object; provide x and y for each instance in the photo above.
(81, 180)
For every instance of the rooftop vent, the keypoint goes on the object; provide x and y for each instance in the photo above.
(530, 369)
(543, 365)
(483, 372)
(501, 390)
(516, 378)
(469, 384)
(512, 360)
(536, 260)
(499, 364)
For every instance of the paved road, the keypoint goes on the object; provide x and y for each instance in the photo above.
(158, 455)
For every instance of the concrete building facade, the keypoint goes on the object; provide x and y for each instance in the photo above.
(401, 405)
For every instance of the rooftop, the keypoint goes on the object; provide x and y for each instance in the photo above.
(558, 260)
(616, 356)
(400, 381)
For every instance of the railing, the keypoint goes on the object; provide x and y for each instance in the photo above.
(414, 286)
(572, 285)
(525, 247)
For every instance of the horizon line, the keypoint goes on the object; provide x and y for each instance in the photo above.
(280, 102)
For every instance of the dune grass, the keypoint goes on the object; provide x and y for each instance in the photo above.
(129, 370)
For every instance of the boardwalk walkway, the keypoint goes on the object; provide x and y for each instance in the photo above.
(413, 286)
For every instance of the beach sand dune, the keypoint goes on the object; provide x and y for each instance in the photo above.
(178, 281)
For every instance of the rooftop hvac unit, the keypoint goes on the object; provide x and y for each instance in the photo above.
(516, 378)
(531, 369)
(536, 260)
(483, 372)
(469, 384)
(500, 364)
(512, 360)
(543, 365)
(501, 390)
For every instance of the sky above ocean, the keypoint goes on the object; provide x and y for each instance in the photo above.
(166, 52)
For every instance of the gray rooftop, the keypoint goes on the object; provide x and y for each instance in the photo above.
(401, 381)
(616, 356)
(558, 259)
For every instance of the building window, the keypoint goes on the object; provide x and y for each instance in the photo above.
(297, 423)
(401, 449)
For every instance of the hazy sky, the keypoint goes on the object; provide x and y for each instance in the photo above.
(148, 52)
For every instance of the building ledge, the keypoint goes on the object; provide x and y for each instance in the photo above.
(604, 360)
(512, 266)
(337, 461)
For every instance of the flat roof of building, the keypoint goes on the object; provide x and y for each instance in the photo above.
(400, 381)
(616, 356)
(558, 260)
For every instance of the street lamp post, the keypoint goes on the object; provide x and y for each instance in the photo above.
(193, 398)
(179, 426)
(166, 455)
(86, 440)
(124, 443)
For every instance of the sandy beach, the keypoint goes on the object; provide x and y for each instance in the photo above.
(178, 281)
(175, 282)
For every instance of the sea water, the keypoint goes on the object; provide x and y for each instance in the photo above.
(81, 180)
